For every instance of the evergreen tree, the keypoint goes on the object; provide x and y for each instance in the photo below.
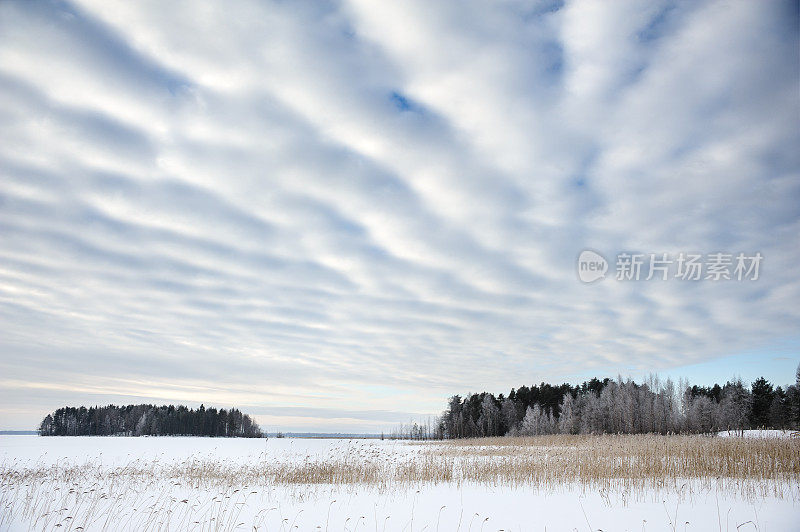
(148, 420)
(762, 394)
(778, 410)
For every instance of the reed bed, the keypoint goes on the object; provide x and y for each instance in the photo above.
(588, 458)
(154, 494)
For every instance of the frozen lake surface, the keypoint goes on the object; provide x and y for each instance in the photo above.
(117, 483)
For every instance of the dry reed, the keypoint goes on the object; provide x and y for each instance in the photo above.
(149, 495)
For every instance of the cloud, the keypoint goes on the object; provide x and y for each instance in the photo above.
(301, 205)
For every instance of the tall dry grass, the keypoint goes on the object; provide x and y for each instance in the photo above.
(155, 494)
(752, 466)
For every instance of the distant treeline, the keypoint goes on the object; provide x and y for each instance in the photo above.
(617, 406)
(149, 420)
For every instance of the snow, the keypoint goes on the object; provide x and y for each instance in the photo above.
(771, 433)
(443, 507)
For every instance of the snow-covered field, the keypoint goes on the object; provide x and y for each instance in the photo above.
(86, 483)
(768, 433)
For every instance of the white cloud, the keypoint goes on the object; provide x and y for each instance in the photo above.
(289, 204)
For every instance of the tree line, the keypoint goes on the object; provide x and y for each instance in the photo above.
(621, 406)
(149, 420)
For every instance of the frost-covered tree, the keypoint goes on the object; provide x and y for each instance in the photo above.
(591, 413)
(568, 422)
(508, 414)
(736, 405)
(537, 422)
(671, 410)
(530, 423)
(647, 410)
(703, 415)
(489, 420)
(623, 406)
(142, 426)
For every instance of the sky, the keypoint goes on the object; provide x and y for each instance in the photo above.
(334, 215)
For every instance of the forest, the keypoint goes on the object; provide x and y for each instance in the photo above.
(593, 407)
(618, 406)
(149, 420)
